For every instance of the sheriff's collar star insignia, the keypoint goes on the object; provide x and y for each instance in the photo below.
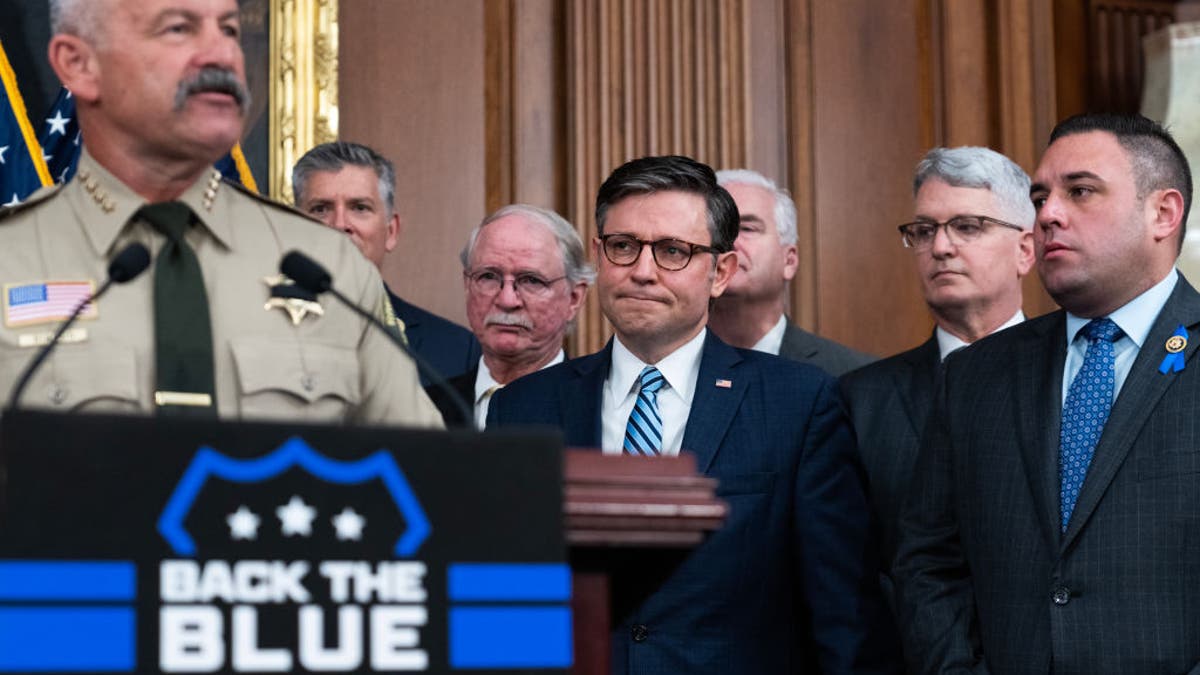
(297, 302)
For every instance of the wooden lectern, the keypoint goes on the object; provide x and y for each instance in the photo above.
(615, 506)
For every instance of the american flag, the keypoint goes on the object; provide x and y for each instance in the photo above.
(43, 302)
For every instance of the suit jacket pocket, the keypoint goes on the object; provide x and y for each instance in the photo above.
(762, 482)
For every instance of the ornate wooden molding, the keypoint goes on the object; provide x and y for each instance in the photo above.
(304, 92)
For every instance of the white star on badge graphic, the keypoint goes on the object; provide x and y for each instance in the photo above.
(15, 200)
(349, 525)
(296, 517)
(58, 123)
(243, 524)
(3, 149)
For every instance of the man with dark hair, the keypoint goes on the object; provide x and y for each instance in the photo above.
(971, 238)
(1051, 522)
(750, 314)
(352, 188)
(789, 583)
(212, 330)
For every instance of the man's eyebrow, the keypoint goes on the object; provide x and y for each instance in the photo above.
(1077, 175)
(749, 218)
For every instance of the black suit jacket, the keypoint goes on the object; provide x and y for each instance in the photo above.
(888, 403)
(792, 566)
(464, 386)
(447, 346)
(988, 580)
(805, 347)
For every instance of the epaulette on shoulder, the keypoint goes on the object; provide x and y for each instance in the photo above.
(267, 200)
(31, 201)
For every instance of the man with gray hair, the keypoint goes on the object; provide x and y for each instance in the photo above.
(351, 188)
(525, 276)
(972, 242)
(751, 312)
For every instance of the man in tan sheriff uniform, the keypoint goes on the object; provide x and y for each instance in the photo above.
(160, 94)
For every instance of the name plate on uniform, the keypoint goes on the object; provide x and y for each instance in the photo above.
(155, 546)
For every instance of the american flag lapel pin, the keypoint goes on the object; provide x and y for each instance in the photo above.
(724, 384)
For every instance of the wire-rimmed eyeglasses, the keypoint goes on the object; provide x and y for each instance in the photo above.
(669, 254)
(489, 282)
(960, 230)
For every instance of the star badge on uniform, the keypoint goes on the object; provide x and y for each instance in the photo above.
(297, 302)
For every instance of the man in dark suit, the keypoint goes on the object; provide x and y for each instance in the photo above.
(351, 187)
(970, 270)
(750, 313)
(788, 584)
(525, 276)
(1051, 525)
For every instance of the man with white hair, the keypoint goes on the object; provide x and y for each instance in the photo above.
(525, 276)
(972, 241)
(751, 312)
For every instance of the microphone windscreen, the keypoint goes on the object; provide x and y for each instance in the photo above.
(130, 262)
(306, 272)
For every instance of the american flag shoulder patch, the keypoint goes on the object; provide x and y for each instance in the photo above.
(46, 302)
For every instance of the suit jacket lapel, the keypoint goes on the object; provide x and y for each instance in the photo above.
(1040, 356)
(581, 396)
(796, 345)
(1139, 395)
(916, 383)
(713, 406)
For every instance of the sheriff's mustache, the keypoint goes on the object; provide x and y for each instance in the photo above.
(217, 80)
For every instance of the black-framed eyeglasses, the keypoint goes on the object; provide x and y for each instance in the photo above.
(489, 282)
(960, 230)
(669, 254)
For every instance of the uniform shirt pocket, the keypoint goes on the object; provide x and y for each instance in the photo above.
(81, 377)
(316, 381)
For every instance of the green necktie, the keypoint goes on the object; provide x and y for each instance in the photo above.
(182, 329)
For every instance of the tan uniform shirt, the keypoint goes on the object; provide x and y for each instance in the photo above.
(327, 368)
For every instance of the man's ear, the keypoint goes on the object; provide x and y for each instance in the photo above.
(1167, 216)
(394, 226)
(74, 61)
(725, 267)
(1025, 253)
(791, 261)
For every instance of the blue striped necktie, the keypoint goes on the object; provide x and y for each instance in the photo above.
(1085, 411)
(643, 434)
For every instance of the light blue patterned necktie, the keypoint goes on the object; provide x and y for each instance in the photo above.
(643, 434)
(1085, 411)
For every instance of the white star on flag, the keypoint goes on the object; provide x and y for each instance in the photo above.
(296, 517)
(349, 525)
(3, 149)
(15, 200)
(243, 524)
(58, 123)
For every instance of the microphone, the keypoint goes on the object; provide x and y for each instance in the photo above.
(125, 266)
(312, 277)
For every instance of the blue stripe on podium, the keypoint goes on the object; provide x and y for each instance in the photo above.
(34, 580)
(67, 639)
(488, 582)
(510, 637)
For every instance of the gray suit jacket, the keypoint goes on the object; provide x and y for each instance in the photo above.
(888, 403)
(988, 581)
(801, 345)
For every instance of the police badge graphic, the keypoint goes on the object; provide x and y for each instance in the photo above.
(135, 545)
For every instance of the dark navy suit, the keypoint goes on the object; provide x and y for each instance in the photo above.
(448, 347)
(789, 584)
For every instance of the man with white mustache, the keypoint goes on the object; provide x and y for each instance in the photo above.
(525, 276)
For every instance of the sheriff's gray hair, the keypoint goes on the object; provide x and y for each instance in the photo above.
(76, 17)
(976, 167)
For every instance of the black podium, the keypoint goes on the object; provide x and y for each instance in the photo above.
(141, 545)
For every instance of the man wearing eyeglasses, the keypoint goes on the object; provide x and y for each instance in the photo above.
(525, 276)
(789, 582)
(972, 242)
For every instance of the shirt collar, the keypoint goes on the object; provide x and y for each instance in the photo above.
(484, 382)
(949, 342)
(680, 368)
(105, 204)
(1136, 317)
(772, 342)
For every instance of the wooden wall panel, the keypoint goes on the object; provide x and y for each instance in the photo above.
(412, 86)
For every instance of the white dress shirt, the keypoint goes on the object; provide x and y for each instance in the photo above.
(772, 342)
(486, 385)
(949, 342)
(680, 369)
(1135, 319)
